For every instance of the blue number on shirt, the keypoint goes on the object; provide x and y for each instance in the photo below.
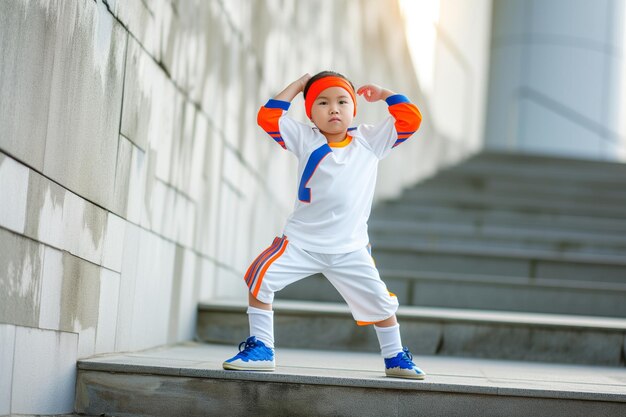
(304, 193)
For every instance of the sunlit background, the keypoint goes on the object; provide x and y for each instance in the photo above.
(554, 72)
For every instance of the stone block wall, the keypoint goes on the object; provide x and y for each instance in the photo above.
(133, 178)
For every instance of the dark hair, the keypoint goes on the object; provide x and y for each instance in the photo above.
(323, 74)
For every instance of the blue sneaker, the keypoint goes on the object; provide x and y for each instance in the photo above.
(255, 356)
(402, 366)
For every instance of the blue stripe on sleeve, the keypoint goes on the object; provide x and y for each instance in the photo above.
(398, 142)
(395, 99)
(277, 104)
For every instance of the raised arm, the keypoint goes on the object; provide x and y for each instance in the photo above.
(406, 119)
(293, 89)
(407, 116)
(270, 114)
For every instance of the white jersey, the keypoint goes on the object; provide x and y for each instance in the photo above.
(336, 181)
(335, 190)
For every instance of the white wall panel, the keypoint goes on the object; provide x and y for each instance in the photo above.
(7, 350)
(14, 183)
(107, 314)
(44, 371)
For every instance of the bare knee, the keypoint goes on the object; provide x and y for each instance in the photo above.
(253, 302)
(391, 321)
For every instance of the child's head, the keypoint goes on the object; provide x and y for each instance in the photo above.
(330, 102)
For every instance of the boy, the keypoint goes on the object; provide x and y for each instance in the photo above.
(327, 231)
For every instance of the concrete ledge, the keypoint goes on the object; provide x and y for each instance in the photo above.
(187, 379)
(568, 322)
(431, 331)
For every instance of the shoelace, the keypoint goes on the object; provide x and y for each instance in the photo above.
(407, 355)
(248, 345)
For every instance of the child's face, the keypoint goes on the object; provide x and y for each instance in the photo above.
(333, 111)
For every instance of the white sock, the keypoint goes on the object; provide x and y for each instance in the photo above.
(389, 340)
(262, 325)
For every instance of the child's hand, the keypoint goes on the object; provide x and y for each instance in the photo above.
(373, 92)
(301, 82)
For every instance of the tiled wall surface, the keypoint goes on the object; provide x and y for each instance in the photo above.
(133, 178)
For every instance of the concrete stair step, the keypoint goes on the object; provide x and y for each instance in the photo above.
(523, 158)
(559, 190)
(187, 380)
(540, 232)
(556, 248)
(500, 261)
(559, 241)
(520, 159)
(513, 195)
(481, 216)
(543, 168)
(431, 331)
(479, 292)
(530, 172)
(514, 203)
(433, 242)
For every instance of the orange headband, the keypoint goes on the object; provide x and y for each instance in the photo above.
(322, 84)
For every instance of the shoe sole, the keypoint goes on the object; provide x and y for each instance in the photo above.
(231, 367)
(417, 377)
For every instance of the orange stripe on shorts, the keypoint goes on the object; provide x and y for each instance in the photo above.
(267, 265)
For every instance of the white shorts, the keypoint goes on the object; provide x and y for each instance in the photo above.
(353, 274)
